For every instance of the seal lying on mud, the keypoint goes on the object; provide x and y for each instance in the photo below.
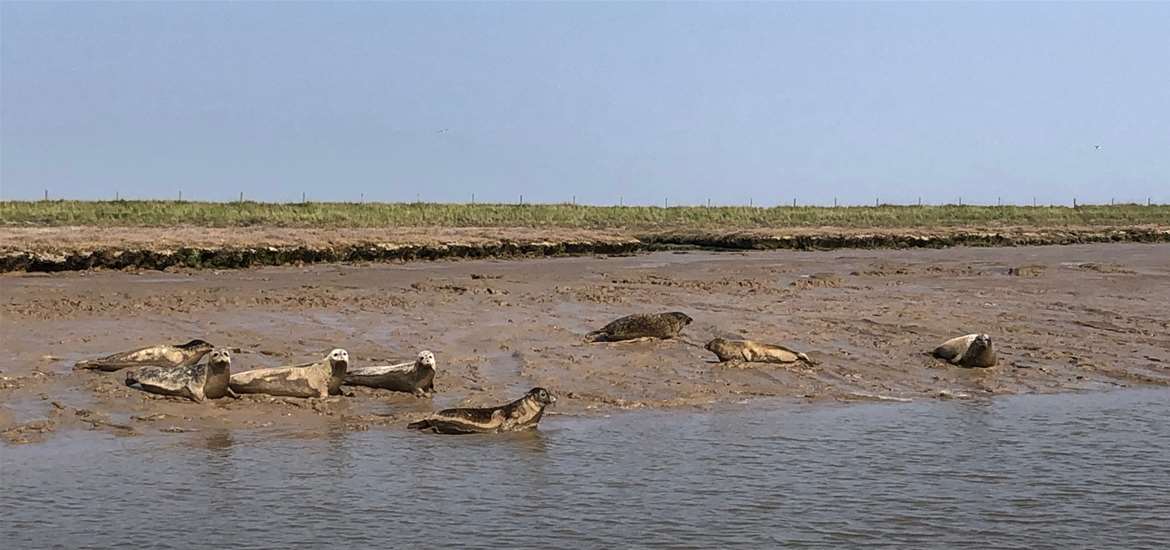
(319, 379)
(656, 325)
(417, 377)
(747, 350)
(972, 350)
(162, 355)
(196, 382)
(521, 414)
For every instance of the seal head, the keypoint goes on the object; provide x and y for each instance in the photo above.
(338, 363)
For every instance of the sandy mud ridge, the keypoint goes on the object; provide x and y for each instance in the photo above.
(1064, 318)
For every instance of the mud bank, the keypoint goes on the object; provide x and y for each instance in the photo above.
(53, 249)
(1064, 318)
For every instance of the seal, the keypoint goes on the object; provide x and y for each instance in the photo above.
(630, 327)
(747, 350)
(318, 379)
(417, 377)
(972, 350)
(521, 414)
(162, 355)
(196, 382)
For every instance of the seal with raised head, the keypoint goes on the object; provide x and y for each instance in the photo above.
(196, 382)
(162, 355)
(521, 414)
(417, 377)
(754, 352)
(642, 325)
(972, 350)
(318, 379)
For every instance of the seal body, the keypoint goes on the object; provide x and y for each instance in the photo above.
(521, 414)
(163, 355)
(318, 379)
(196, 382)
(754, 352)
(972, 350)
(655, 325)
(417, 377)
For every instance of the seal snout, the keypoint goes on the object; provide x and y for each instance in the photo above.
(426, 358)
(339, 358)
(221, 356)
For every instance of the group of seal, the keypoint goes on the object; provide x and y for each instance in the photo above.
(175, 370)
(972, 350)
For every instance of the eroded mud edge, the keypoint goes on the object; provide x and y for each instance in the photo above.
(236, 256)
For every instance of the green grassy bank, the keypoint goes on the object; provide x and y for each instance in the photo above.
(317, 214)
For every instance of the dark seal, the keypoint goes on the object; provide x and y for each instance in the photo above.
(630, 327)
(417, 378)
(162, 355)
(196, 382)
(521, 414)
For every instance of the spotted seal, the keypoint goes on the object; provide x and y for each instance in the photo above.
(196, 382)
(521, 414)
(417, 377)
(972, 350)
(318, 379)
(749, 351)
(642, 325)
(162, 355)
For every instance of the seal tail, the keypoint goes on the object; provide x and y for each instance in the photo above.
(420, 425)
(806, 359)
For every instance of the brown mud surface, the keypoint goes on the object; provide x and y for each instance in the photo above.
(1063, 318)
(48, 249)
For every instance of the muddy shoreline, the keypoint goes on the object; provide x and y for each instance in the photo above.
(53, 249)
(1065, 318)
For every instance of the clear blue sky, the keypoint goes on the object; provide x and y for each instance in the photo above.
(642, 101)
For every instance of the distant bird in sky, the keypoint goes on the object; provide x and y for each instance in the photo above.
(1097, 147)
(445, 130)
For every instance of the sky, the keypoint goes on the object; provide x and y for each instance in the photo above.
(637, 103)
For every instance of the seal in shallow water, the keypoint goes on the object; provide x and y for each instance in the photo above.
(656, 325)
(196, 382)
(162, 355)
(747, 350)
(318, 379)
(521, 414)
(417, 377)
(972, 350)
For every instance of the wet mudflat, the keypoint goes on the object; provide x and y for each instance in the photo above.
(1033, 471)
(1064, 318)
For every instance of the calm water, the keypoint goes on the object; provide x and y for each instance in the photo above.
(1082, 471)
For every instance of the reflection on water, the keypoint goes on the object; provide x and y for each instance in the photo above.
(1021, 472)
